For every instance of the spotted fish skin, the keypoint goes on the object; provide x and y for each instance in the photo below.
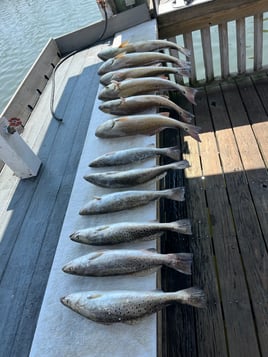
(125, 232)
(127, 261)
(124, 306)
(119, 201)
(134, 177)
(132, 155)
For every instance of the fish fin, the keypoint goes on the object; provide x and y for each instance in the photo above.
(150, 237)
(195, 297)
(177, 194)
(146, 272)
(166, 114)
(123, 44)
(193, 131)
(187, 117)
(122, 119)
(94, 296)
(184, 71)
(174, 153)
(101, 228)
(183, 226)
(97, 198)
(185, 51)
(190, 94)
(133, 321)
(96, 255)
(180, 165)
(151, 145)
(181, 262)
(164, 76)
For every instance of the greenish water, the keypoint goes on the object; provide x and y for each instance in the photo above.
(25, 28)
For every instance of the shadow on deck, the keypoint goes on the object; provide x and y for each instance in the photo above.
(227, 202)
(31, 222)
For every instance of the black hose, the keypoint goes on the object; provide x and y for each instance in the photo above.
(68, 56)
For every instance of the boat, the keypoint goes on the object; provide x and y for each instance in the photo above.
(42, 189)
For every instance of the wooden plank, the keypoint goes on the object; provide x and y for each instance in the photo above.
(188, 40)
(210, 330)
(206, 14)
(258, 41)
(207, 53)
(224, 49)
(242, 340)
(18, 274)
(252, 160)
(241, 45)
(227, 257)
(256, 113)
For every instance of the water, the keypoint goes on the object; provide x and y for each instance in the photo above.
(25, 28)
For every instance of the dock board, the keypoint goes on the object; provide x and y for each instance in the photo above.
(227, 202)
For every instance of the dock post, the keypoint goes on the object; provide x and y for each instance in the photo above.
(16, 153)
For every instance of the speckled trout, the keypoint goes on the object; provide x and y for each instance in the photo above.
(141, 46)
(144, 124)
(125, 232)
(138, 103)
(125, 305)
(119, 201)
(142, 71)
(137, 154)
(134, 177)
(139, 59)
(135, 86)
(127, 261)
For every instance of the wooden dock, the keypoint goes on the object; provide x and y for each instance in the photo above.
(227, 200)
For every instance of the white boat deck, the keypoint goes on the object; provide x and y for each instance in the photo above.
(60, 331)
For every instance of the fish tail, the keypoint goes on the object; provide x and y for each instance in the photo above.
(180, 165)
(185, 51)
(193, 131)
(182, 63)
(176, 194)
(174, 153)
(184, 71)
(193, 296)
(181, 262)
(189, 93)
(187, 117)
(183, 226)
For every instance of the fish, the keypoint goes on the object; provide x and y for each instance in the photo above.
(138, 103)
(134, 177)
(142, 71)
(141, 46)
(145, 124)
(125, 232)
(110, 262)
(136, 154)
(129, 306)
(119, 201)
(139, 59)
(135, 86)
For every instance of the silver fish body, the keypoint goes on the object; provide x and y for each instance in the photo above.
(139, 59)
(127, 261)
(125, 232)
(134, 177)
(141, 46)
(138, 103)
(135, 86)
(144, 124)
(123, 305)
(128, 156)
(142, 71)
(119, 201)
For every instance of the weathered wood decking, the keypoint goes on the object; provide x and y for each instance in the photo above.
(32, 210)
(227, 200)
